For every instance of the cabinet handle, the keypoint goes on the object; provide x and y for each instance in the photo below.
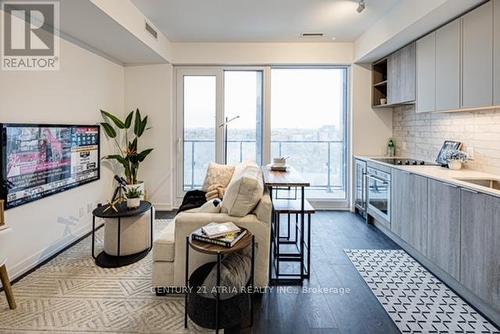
(470, 191)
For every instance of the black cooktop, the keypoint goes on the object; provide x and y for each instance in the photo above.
(405, 162)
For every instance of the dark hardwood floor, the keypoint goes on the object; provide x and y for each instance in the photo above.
(357, 310)
(290, 309)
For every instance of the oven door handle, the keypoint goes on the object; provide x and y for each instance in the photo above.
(377, 178)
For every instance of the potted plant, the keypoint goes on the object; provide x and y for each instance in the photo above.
(120, 131)
(134, 197)
(456, 158)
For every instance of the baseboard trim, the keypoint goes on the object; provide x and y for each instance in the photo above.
(19, 274)
(163, 206)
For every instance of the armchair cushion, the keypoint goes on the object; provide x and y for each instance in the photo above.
(164, 244)
(244, 192)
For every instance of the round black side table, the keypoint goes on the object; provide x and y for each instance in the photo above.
(248, 240)
(109, 261)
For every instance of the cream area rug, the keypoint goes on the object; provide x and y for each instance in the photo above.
(70, 294)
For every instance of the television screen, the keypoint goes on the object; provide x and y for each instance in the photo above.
(41, 160)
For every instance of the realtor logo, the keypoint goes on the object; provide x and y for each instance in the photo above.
(30, 40)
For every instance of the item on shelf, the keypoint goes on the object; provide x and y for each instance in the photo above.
(383, 101)
(391, 148)
(448, 145)
(214, 230)
(227, 240)
(128, 156)
(134, 198)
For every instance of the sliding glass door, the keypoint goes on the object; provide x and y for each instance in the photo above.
(199, 127)
(209, 101)
(243, 109)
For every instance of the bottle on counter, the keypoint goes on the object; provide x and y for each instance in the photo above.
(391, 148)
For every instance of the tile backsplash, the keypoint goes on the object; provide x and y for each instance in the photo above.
(421, 135)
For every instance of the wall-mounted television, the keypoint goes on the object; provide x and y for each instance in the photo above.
(39, 160)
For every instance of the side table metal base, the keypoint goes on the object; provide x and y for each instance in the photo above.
(105, 260)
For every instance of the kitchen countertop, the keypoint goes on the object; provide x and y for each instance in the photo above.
(445, 175)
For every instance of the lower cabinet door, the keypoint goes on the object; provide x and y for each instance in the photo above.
(409, 208)
(443, 236)
(480, 246)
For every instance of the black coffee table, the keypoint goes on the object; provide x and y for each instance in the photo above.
(109, 261)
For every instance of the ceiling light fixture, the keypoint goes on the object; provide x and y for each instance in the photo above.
(361, 6)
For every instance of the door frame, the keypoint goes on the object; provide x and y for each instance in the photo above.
(178, 148)
(218, 72)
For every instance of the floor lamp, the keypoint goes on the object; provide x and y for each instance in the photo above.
(226, 122)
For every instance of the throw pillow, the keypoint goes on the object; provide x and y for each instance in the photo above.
(212, 206)
(217, 174)
(244, 192)
(234, 275)
(215, 191)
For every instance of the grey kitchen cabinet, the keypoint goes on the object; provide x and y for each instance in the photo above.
(448, 41)
(401, 75)
(477, 57)
(409, 208)
(480, 246)
(443, 235)
(496, 44)
(426, 73)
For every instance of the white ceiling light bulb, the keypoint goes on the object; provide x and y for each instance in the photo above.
(361, 6)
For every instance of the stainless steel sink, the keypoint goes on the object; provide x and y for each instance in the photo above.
(488, 183)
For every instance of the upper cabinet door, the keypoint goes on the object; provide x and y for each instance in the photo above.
(401, 75)
(477, 56)
(393, 78)
(408, 73)
(448, 66)
(496, 43)
(426, 73)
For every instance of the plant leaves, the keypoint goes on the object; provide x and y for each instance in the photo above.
(141, 156)
(115, 119)
(138, 122)
(110, 132)
(117, 157)
(128, 120)
(143, 126)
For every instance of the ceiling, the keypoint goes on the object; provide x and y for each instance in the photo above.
(261, 20)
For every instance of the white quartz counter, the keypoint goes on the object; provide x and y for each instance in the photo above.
(446, 175)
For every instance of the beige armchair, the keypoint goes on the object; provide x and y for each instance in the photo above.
(4, 232)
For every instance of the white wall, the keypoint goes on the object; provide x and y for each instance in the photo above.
(261, 53)
(149, 88)
(73, 95)
(371, 128)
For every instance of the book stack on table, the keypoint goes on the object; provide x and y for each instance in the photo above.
(225, 234)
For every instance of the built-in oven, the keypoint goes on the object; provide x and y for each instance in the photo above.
(379, 195)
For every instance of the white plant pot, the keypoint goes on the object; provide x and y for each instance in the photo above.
(455, 165)
(139, 186)
(133, 203)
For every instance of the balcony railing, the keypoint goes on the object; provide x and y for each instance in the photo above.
(322, 162)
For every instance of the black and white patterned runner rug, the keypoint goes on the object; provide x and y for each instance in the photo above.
(415, 300)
